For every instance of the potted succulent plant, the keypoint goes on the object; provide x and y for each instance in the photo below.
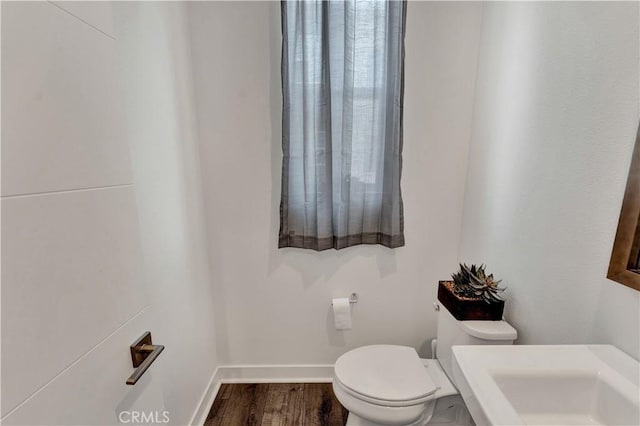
(472, 294)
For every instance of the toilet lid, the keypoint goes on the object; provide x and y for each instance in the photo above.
(385, 372)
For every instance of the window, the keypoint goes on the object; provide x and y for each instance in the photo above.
(342, 76)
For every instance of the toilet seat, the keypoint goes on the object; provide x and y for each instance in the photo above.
(382, 402)
(386, 375)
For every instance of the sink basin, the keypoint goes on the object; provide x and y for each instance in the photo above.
(548, 385)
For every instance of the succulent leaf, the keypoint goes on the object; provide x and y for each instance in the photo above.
(473, 282)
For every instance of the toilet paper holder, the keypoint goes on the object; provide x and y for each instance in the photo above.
(353, 298)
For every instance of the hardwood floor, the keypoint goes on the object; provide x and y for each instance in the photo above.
(276, 404)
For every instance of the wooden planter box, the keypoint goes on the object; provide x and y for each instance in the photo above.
(469, 309)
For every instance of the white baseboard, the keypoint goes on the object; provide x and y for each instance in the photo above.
(209, 395)
(276, 373)
(321, 373)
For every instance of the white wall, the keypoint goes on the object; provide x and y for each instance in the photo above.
(273, 306)
(153, 46)
(555, 117)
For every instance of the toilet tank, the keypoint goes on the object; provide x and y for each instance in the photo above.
(454, 332)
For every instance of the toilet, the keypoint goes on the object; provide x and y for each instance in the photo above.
(392, 385)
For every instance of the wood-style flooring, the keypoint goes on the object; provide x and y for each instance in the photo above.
(276, 404)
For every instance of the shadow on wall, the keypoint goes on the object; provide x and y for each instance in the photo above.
(311, 265)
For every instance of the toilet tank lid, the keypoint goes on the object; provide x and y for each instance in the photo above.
(489, 330)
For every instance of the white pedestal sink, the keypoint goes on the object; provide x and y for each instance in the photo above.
(548, 385)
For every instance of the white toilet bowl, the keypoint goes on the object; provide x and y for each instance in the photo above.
(389, 385)
(384, 385)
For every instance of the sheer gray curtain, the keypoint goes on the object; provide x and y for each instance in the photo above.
(342, 80)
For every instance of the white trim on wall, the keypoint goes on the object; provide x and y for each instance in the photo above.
(206, 401)
(314, 373)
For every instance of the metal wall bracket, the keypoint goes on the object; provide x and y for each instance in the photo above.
(353, 298)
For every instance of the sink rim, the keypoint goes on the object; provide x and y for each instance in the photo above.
(477, 365)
